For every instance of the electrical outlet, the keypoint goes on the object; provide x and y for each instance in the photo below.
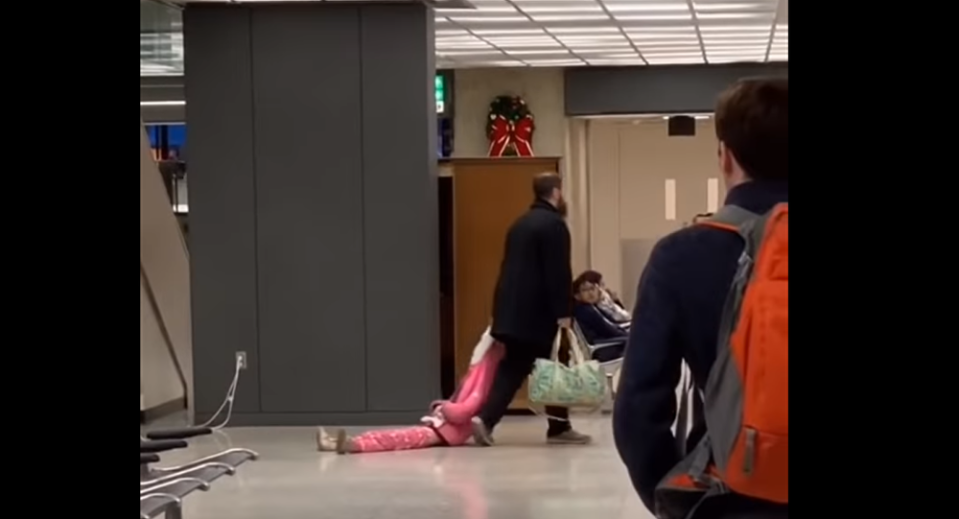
(241, 359)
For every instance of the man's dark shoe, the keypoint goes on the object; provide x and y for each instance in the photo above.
(569, 437)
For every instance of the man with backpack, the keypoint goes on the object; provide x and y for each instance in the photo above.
(726, 277)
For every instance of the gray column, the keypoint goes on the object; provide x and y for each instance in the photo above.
(312, 134)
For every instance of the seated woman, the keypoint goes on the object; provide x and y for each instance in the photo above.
(608, 303)
(449, 422)
(594, 324)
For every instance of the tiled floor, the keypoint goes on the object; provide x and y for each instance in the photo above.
(520, 478)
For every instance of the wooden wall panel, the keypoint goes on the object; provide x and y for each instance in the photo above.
(488, 195)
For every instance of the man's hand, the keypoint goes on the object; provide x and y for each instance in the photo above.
(565, 322)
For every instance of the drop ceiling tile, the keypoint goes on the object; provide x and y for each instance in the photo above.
(532, 31)
(605, 32)
(616, 62)
(534, 53)
(479, 11)
(585, 28)
(675, 61)
(569, 8)
(554, 62)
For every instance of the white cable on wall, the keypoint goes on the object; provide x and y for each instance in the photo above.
(228, 402)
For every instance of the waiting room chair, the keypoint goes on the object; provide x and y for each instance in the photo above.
(163, 489)
(610, 363)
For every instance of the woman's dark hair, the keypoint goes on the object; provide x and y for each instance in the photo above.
(592, 276)
(581, 280)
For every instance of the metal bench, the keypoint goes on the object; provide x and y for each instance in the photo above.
(162, 489)
(167, 498)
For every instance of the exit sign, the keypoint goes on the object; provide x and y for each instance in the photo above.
(440, 87)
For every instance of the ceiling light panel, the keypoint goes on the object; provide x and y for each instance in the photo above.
(675, 61)
(554, 62)
(580, 6)
(504, 9)
(725, 28)
(517, 45)
(537, 52)
(583, 30)
(681, 39)
(647, 33)
(522, 33)
(478, 20)
(569, 17)
(618, 56)
(590, 37)
(616, 62)
(652, 7)
(780, 34)
(444, 33)
(489, 64)
(486, 54)
(596, 44)
(508, 32)
(722, 5)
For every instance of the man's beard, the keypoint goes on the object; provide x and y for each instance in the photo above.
(562, 208)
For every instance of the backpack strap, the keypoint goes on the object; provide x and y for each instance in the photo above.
(682, 417)
(731, 218)
(747, 224)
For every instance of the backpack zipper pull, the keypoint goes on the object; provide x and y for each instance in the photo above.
(750, 455)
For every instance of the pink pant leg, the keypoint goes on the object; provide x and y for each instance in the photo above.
(418, 437)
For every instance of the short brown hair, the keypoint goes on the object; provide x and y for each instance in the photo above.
(752, 120)
(545, 183)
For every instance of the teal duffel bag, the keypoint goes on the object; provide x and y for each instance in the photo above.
(582, 384)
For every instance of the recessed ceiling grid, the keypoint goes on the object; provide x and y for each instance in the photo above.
(519, 33)
(779, 37)
(161, 53)
(611, 32)
(161, 40)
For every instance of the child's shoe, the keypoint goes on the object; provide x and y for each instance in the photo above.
(344, 444)
(325, 442)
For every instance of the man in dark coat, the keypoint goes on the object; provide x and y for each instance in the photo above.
(532, 300)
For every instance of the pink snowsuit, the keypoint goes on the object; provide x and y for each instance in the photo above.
(450, 420)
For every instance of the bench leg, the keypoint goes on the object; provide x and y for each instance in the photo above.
(174, 512)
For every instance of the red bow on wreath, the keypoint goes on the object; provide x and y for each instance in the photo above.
(510, 128)
(508, 136)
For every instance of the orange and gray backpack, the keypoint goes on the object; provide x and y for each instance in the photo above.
(746, 398)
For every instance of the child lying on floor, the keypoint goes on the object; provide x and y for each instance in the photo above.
(448, 423)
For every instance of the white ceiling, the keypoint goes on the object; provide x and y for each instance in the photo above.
(563, 33)
(611, 32)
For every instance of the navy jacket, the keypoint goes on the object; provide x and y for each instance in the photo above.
(676, 317)
(594, 324)
(533, 289)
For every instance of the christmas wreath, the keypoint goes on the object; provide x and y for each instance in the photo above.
(510, 127)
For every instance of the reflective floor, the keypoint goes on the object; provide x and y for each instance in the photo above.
(520, 478)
